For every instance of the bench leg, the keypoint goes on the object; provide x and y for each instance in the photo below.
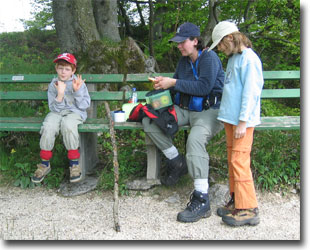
(88, 141)
(153, 160)
(88, 152)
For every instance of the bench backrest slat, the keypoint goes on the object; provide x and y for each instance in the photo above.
(280, 93)
(89, 78)
(42, 95)
(130, 78)
(118, 96)
(282, 75)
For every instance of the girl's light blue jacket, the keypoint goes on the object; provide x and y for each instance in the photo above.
(242, 89)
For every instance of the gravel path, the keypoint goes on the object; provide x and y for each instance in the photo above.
(41, 214)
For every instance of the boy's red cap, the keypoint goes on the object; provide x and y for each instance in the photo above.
(67, 57)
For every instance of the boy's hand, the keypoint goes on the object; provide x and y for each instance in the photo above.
(77, 83)
(61, 87)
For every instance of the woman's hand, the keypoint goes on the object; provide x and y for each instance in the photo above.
(164, 82)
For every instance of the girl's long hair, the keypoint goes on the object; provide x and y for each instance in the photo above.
(239, 39)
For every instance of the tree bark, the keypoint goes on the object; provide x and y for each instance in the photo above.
(75, 24)
(105, 13)
(64, 23)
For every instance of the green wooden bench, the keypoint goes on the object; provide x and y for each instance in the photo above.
(93, 125)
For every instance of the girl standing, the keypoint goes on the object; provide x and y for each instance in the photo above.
(240, 112)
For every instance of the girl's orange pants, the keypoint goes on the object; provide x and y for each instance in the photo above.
(239, 161)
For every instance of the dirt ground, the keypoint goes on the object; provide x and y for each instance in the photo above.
(41, 214)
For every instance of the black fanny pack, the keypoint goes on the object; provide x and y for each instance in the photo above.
(194, 103)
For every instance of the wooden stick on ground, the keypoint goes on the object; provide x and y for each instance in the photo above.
(116, 168)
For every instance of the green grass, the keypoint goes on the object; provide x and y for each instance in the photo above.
(19, 156)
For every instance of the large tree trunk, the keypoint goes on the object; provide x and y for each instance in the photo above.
(75, 24)
(105, 12)
(78, 25)
(64, 20)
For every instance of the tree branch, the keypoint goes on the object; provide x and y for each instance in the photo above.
(140, 12)
(151, 23)
(116, 168)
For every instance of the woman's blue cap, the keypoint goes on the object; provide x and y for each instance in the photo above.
(185, 31)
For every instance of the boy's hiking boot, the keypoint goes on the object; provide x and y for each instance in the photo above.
(40, 173)
(176, 168)
(197, 208)
(228, 208)
(75, 173)
(240, 217)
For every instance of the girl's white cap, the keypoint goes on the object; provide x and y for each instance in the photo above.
(221, 30)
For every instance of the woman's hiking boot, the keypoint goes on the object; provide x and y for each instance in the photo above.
(176, 168)
(228, 208)
(40, 173)
(75, 173)
(197, 208)
(241, 217)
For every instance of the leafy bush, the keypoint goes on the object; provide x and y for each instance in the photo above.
(20, 156)
(131, 158)
(276, 159)
(276, 108)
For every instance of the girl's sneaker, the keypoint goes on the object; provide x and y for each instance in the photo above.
(241, 217)
(40, 173)
(228, 208)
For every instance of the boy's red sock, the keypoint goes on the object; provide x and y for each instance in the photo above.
(73, 154)
(46, 155)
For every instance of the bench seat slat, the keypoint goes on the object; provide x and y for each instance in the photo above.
(98, 125)
(34, 124)
(279, 122)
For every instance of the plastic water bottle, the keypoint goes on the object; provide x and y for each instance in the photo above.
(134, 96)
